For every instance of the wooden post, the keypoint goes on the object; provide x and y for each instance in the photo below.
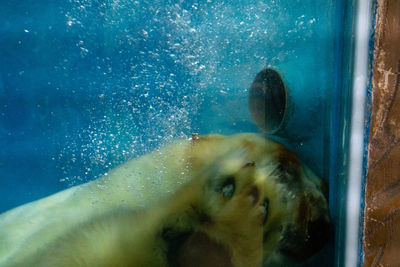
(381, 243)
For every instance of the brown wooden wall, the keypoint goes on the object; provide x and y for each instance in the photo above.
(382, 213)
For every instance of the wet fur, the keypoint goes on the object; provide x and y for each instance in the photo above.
(248, 201)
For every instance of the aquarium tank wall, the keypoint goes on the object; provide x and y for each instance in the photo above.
(88, 85)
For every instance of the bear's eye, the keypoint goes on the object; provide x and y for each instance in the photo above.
(228, 187)
(265, 206)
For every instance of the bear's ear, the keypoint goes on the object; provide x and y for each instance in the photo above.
(289, 167)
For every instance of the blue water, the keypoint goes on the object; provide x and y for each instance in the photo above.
(86, 85)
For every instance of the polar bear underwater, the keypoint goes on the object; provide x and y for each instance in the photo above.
(212, 200)
(239, 200)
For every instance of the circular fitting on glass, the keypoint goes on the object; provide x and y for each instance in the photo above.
(268, 100)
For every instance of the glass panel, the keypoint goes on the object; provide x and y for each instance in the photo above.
(118, 102)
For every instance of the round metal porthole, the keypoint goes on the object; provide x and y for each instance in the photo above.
(268, 100)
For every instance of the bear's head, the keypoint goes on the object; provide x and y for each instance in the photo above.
(261, 197)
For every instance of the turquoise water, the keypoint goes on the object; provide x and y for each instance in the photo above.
(86, 85)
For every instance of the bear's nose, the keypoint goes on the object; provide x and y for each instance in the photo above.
(298, 244)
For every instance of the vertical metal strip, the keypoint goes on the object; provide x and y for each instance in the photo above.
(360, 83)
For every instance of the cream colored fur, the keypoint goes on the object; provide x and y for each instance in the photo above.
(118, 219)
